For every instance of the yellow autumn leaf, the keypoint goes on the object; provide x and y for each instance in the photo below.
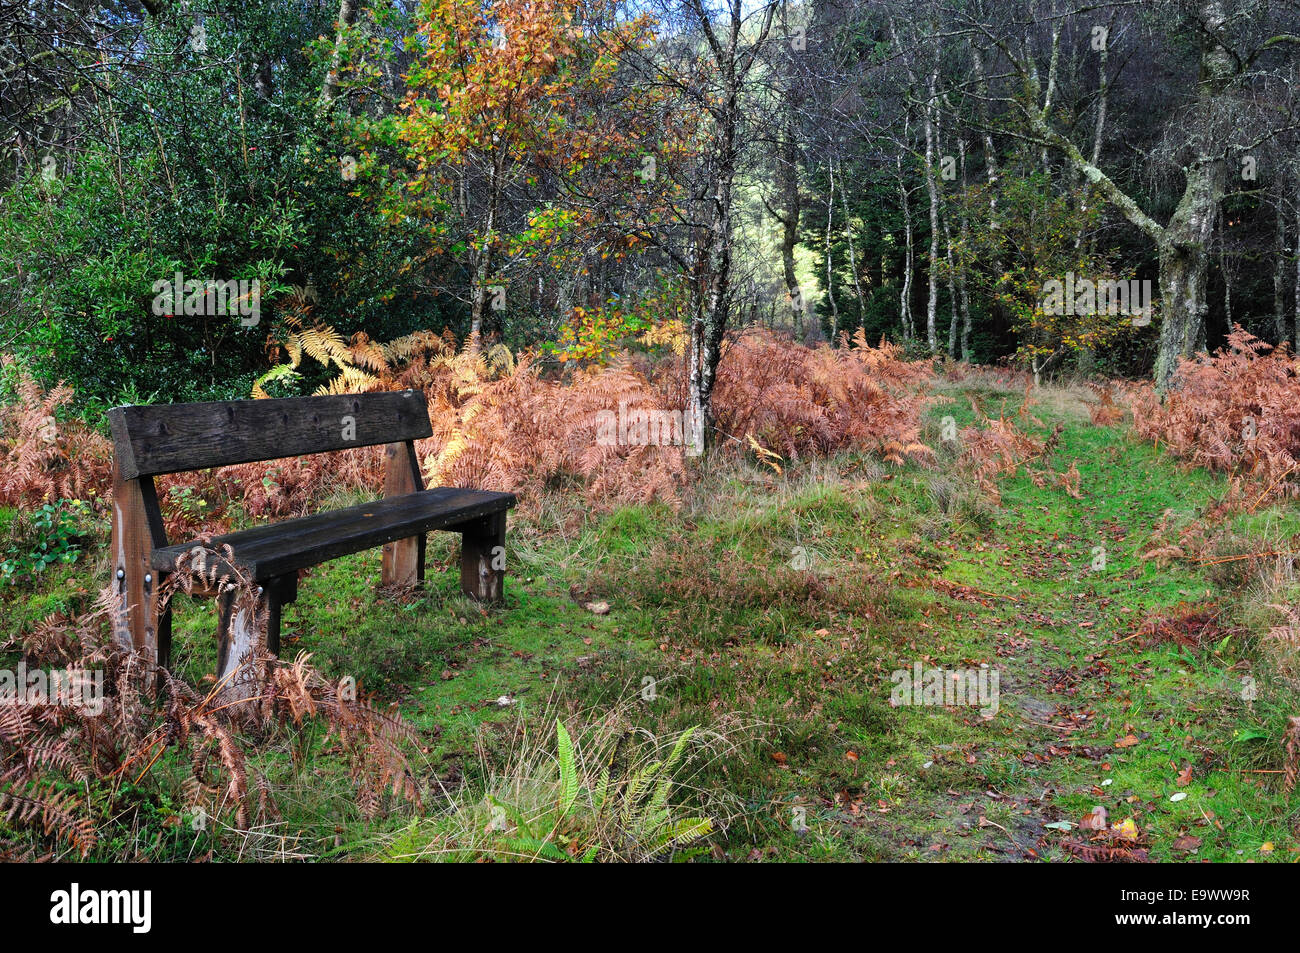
(1126, 829)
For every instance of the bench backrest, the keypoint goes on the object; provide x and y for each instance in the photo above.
(174, 438)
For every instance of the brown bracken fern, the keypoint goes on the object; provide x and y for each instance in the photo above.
(1237, 412)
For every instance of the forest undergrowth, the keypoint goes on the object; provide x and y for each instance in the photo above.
(696, 659)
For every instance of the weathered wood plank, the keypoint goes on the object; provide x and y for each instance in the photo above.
(172, 438)
(403, 560)
(279, 548)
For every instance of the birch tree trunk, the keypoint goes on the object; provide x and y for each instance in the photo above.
(963, 288)
(1279, 276)
(853, 256)
(1227, 275)
(830, 285)
(992, 175)
(787, 183)
(932, 188)
(709, 322)
(1099, 131)
(483, 255)
(905, 296)
(952, 293)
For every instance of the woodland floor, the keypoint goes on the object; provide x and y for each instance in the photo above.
(792, 666)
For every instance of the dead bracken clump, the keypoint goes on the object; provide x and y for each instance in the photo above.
(512, 429)
(1109, 849)
(799, 400)
(1237, 412)
(70, 769)
(500, 423)
(1292, 768)
(1191, 626)
(505, 426)
(1000, 448)
(1105, 412)
(43, 458)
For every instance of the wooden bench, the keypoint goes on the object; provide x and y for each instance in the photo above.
(174, 438)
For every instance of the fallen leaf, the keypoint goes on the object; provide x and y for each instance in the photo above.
(598, 608)
(1127, 741)
(1187, 842)
(1185, 776)
(1126, 829)
(1094, 820)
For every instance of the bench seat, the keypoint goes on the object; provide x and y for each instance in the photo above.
(274, 549)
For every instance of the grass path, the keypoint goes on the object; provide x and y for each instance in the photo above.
(1052, 596)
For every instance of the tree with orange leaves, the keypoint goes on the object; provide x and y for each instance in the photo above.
(504, 128)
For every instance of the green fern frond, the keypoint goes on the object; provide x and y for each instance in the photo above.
(568, 769)
(659, 801)
(281, 372)
(536, 847)
(601, 792)
(682, 832)
(679, 748)
(636, 785)
(691, 828)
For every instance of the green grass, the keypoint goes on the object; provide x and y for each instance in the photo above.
(772, 610)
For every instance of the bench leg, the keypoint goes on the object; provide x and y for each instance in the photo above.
(141, 625)
(403, 562)
(281, 590)
(483, 557)
(245, 630)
